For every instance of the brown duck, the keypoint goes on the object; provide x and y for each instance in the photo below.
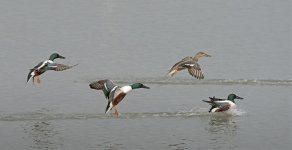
(190, 63)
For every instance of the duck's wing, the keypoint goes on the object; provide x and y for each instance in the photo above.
(40, 65)
(187, 58)
(194, 69)
(97, 85)
(117, 96)
(179, 66)
(216, 99)
(222, 105)
(59, 67)
(107, 86)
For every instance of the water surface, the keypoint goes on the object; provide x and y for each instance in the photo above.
(138, 41)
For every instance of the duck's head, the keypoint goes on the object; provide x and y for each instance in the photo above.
(232, 97)
(56, 55)
(202, 54)
(139, 85)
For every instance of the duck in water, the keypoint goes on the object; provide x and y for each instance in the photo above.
(114, 93)
(222, 105)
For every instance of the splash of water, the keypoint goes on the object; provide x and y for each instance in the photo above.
(194, 112)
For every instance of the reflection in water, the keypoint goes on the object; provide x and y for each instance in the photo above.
(179, 146)
(109, 146)
(184, 81)
(43, 135)
(36, 116)
(222, 129)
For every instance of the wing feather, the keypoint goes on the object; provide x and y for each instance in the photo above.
(180, 65)
(59, 67)
(98, 85)
(196, 73)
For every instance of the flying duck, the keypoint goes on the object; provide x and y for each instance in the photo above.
(46, 65)
(190, 63)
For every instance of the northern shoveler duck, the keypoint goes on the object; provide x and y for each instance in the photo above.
(221, 105)
(190, 63)
(45, 66)
(114, 93)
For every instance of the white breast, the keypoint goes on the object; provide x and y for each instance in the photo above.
(232, 105)
(214, 109)
(126, 89)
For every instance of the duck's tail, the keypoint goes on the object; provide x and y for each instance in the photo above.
(30, 75)
(206, 101)
(172, 72)
(108, 107)
(210, 110)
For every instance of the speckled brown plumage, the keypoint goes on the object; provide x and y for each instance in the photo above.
(190, 63)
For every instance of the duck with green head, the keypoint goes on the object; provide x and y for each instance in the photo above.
(46, 65)
(222, 105)
(114, 93)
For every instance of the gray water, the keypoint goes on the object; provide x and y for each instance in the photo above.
(138, 41)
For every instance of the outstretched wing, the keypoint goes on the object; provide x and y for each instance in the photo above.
(111, 92)
(59, 67)
(194, 69)
(179, 66)
(105, 85)
(196, 73)
(97, 85)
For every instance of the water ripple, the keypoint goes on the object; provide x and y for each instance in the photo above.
(188, 81)
(47, 116)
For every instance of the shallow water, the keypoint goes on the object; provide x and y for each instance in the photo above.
(131, 41)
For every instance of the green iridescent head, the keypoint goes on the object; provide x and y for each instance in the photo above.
(139, 85)
(231, 97)
(56, 55)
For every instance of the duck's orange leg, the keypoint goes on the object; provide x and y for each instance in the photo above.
(38, 79)
(116, 112)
